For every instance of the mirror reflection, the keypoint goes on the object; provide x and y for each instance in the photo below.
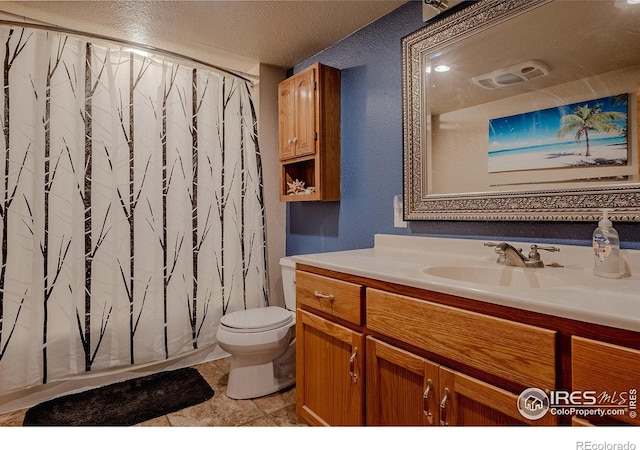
(546, 100)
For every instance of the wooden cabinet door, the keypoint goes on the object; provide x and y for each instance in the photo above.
(611, 373)
(402, 388)
(468, 401)
(329, 372)
(305, 107)
(287, 119)
(297, 115)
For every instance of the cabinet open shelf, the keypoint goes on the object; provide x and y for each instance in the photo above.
(300, 171)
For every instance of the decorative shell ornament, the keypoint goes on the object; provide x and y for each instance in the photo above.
(296, 187)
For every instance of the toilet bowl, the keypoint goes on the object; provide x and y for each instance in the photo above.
(261, 342)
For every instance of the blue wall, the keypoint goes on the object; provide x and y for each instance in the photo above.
(371, 128)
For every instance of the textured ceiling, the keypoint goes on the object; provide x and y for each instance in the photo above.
(235, 34)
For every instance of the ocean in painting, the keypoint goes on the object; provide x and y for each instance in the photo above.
(559, 148)
(603, 151)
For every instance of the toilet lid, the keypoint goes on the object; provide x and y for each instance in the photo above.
(257, 319)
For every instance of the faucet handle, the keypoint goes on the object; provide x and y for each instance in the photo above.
(499, 250)
(533, 254)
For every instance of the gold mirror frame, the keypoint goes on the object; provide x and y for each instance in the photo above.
(575, 204)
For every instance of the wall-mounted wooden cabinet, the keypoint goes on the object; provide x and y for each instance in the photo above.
(309, 135)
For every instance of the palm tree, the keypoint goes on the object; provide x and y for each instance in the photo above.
(585, 118)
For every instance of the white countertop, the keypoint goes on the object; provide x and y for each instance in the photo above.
(580, 295)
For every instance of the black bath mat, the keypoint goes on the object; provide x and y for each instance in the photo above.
(125, 403)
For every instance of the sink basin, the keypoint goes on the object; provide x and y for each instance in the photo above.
(505, 276)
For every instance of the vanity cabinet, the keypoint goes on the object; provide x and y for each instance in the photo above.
(377, 353)
(309, 133)
(330, 348)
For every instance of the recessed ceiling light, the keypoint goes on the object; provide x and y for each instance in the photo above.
(442, 68)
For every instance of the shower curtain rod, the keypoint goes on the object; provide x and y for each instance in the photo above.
(124, 42)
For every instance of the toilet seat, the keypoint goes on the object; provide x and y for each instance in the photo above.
(256, 320)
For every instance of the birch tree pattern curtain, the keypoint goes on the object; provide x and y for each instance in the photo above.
(131, 207)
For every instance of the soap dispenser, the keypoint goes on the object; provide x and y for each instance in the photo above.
(606, 248)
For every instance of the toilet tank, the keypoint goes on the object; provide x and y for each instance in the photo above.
(288, 267)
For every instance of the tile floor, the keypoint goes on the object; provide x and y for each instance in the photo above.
(273, 410)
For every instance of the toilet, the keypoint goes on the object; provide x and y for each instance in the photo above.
(261, 342)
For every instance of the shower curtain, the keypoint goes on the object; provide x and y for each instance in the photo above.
(131, 206)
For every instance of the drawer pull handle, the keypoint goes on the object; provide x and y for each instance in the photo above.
(319, 294)
(443, 412)
(425, 403)
(352, 363)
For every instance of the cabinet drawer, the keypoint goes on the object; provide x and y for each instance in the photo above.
(511, 350)
(339, 298)
(613, 372)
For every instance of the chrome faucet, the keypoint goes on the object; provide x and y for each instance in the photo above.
(511, 256)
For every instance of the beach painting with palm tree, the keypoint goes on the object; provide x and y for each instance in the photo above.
(584, 134)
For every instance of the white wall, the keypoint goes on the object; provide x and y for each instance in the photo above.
(267, 105)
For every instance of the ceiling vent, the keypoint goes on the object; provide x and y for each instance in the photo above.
(512, 75)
